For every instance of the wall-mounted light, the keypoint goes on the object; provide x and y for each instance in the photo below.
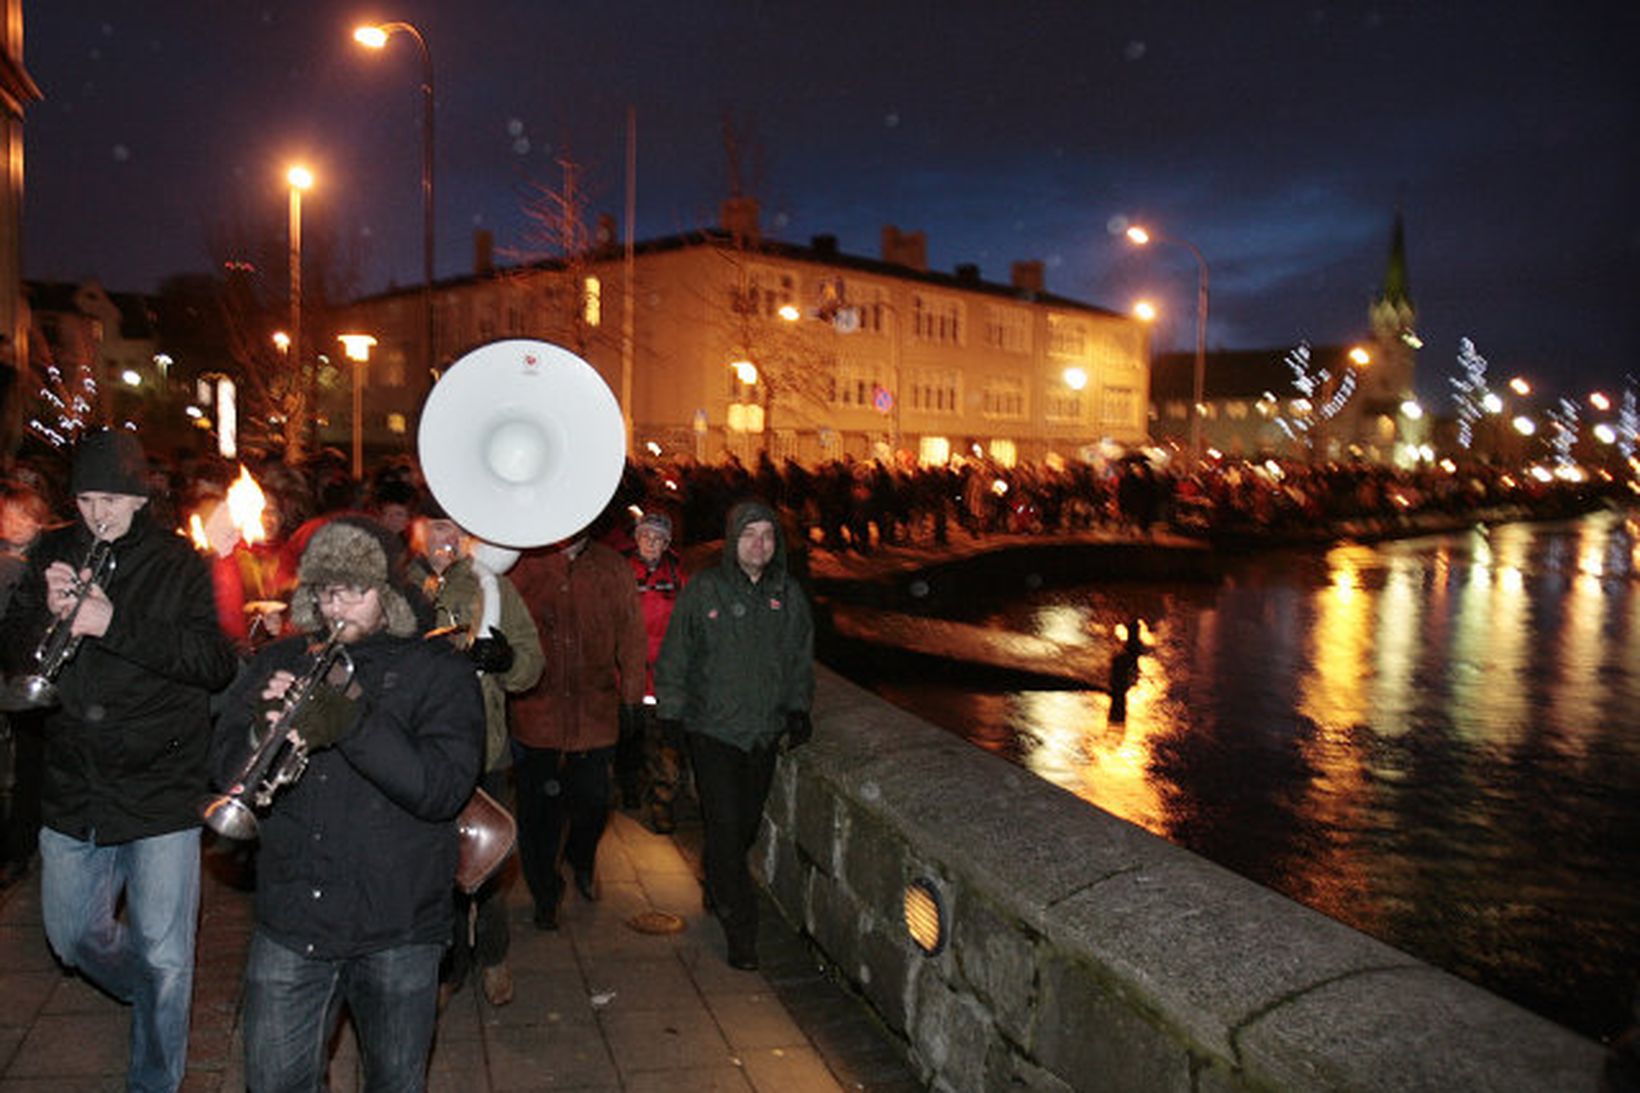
(926, 918)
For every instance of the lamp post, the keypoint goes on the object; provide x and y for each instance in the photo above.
(300, 178)
(357, 348)
(1140, 237)
(375, 37)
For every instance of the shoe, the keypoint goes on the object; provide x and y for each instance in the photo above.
(446, 991)
(743, 955)
(498, 985)
(586, 883)
(546, 918)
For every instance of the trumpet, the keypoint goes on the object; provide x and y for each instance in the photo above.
(277, 760)
(38, 689)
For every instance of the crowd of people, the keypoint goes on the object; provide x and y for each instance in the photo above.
(344, 689)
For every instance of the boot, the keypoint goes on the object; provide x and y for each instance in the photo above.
(498, 985)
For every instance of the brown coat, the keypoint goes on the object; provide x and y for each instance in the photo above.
(592, 633)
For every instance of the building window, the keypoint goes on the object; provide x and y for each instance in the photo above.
(592, 301)
(936, 319)
(854, 385)
(1064, 404)
(1003, 397)
(764, 292)
(1003, 452)
(1067, 337)
(1007, 329)
(1235, 411)
(1119, 406)
(934, 451)
(934, 391)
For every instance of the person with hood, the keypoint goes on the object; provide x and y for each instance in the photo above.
(508, 658)
(126, 749)
(660, 577)
(358, 855)
(737, 671)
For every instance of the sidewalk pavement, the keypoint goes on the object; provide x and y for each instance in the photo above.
(598, 1005)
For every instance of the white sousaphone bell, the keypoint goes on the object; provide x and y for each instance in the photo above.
(522, 443)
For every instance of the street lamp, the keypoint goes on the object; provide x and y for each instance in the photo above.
(1140, 237)
(375, 37)
(357, 348)
(300, 178)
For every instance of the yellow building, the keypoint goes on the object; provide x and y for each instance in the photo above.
(17, 90)
(729, 343)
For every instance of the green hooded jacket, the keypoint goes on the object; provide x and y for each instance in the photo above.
(738, 656)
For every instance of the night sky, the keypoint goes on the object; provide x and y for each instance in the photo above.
(1279, 138)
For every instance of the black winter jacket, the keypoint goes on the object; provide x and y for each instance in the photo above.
(126, 752)
(359, 855)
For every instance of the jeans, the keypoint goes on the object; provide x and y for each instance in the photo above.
(559, 790)
(292, 1004)
(147, 960)
(733, 786)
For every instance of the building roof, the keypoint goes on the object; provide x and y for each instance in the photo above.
(816, 253)
(1232, 373)
(62, 297)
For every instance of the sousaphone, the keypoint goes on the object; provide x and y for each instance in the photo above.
(522, 442)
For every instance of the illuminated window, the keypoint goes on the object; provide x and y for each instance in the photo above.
(592, 302)
(934, 451)
(396, 424)
(1003, 452)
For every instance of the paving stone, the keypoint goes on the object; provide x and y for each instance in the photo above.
(753, 1021)
(643, 1040)
(789, 1070)
(564, 1054)
(76, 1045)
(717, 1079)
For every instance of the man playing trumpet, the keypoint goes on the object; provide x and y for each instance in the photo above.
(359, 853)
(125, 745)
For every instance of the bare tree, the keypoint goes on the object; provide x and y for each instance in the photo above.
(558, 250)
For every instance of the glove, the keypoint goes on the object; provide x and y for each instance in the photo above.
(327, 716)
(492, 653)
(798, 728)
(631, 720)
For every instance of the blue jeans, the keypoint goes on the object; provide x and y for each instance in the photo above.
(292, 1004)
(147, 960)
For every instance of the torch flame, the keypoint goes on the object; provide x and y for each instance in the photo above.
(245, 504)
(196, 532)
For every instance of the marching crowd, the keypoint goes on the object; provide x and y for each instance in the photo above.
(344, 691)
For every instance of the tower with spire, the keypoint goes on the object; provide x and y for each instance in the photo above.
(1388, 381)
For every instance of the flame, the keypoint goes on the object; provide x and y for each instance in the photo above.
(196, 532)
(245, 504)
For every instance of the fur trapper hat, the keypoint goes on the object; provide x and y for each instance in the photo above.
(352, 550)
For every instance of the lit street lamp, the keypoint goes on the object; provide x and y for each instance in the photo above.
(357, 348)
(300, 178)
(375, 37)
(1140, 237)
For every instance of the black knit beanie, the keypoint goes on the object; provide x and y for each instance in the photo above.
(110, 461)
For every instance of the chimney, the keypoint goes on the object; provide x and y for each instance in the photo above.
(968, 273)
(483, 252)
(824, 246)
(738, 216)
(603, 236)
(908, 249)
(1027, 276)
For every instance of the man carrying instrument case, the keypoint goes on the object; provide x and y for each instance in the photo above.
(359, 842)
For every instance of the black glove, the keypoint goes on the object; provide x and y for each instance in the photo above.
(631, 720)
(798, 728)
(492, 654)
(325, 717)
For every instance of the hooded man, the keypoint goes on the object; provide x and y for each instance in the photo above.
(358, 856)
(126, 748)
(737, 670)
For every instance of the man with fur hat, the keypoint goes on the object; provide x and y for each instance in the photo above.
(507, 654)
(737, 671)
(358, 856)
(126, 749)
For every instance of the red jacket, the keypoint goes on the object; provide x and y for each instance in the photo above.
(586, 610)
(658, 590)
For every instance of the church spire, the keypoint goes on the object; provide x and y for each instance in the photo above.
(1396, 292)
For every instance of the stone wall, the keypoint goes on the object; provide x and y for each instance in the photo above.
(1086, 953)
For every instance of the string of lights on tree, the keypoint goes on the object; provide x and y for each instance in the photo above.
(1469, 391)
(1563, 416)
(1308, 381)
(70, 401)
(1628, 422)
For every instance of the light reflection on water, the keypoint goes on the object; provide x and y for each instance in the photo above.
(1436, 741)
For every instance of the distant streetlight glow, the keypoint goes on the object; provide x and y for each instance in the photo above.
(1138, 235)
(1605, 433)
(300, 177)
(1076, 378)
(1145, 311)
(1492, 403)
(1412, 410)
(1360, 356)
(371, 37)
(357, 347)
(1520, 386)
(1141, 236)
(281, 341)
(1599, 401)
(789, 313)
(131, 377)
(1525, 426)
(745, 371)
